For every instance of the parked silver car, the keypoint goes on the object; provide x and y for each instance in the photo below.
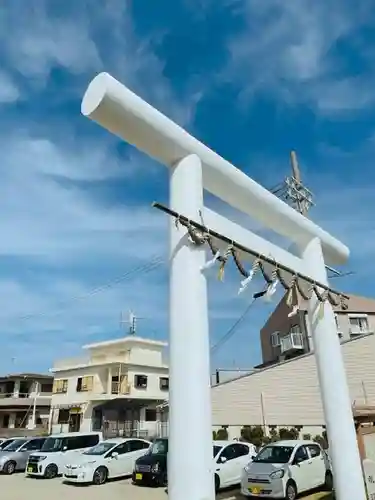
(5, 441)
(15, 455)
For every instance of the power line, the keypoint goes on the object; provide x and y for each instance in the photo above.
(232, 330)
(136, 271)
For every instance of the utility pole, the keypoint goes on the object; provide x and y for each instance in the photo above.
(293, 191)
(297, 195)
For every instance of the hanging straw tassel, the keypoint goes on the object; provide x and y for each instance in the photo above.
(245, 283)
(220, 274)
(290, 297)
(294, 311)
(210, 263)
(224, 260)
(324, 297)
(321, 311)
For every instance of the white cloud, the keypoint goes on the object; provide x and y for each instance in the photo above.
(85, 40)
(287, 48)
(59, 239)
(9, 92)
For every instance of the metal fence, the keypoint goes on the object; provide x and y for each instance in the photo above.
(133, 429)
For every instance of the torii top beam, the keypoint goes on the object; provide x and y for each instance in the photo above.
(126, 115)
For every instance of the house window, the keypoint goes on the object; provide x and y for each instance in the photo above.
(46, 388)
(275, 339)
(140, 381)
(358, 325)
(150, 415)
(60, 386)
(63, 417)
(84, 384)
(295, 329)
(164, 383)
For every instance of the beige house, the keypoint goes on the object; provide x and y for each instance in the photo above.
(25, 400)
(284, 338)
(115, 387)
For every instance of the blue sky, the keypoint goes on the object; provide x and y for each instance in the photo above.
(251, 79)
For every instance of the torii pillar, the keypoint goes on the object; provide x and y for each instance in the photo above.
(194, 167)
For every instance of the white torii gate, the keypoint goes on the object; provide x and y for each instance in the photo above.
(194, 167)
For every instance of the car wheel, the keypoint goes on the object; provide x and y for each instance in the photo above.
(291, 491)
(51, 471)
(100, 476)
(328, 483)
(217, 483)
(9, 468)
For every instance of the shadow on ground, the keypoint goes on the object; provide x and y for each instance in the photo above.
(231, 494)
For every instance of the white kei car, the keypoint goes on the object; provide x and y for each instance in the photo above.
(285, 469)
(230, 458)
(108, 459)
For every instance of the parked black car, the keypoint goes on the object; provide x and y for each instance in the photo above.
(151, 469)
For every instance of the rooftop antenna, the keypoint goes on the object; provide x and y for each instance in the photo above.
(131, 321)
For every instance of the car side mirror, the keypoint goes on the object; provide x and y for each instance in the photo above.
(223, 460)
(114, 454)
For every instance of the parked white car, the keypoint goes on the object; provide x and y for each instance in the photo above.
(58, 450)
(109, 459)
(230, 458)
(285, 469)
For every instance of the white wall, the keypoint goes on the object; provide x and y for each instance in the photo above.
(290, 390)
(72, 396)
(128, 352)
(153, 375)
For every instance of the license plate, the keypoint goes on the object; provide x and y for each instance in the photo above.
(254, 490)
(138, 477)
(30, 469)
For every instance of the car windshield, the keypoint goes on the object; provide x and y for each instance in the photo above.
(100, 448)
(274, 454)
(6, 443)
(15, 445)
(53, 444)
(159, 447)
(216, 449)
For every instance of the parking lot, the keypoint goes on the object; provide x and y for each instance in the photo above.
(19, 487)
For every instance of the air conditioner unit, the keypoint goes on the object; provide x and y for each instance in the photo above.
(292, 341)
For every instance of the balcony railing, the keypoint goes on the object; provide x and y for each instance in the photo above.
(291, 341)
(21, 395)
(120, 388)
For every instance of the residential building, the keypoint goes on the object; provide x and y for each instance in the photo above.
(25, 400)
(284, 391)
(116, 387)
(284, 337)
(287, 394)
